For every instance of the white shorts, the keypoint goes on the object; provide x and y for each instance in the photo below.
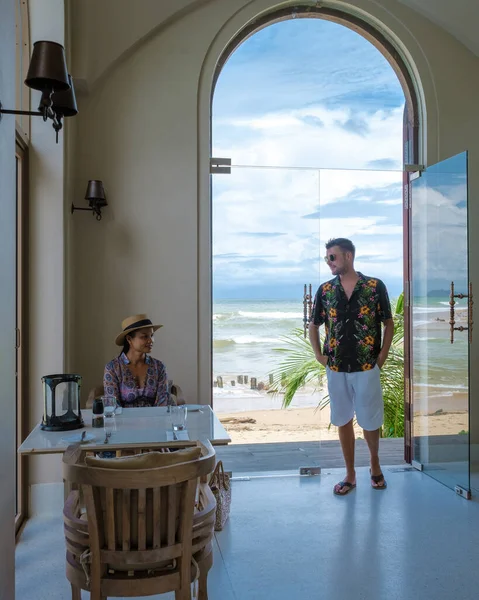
(358, 393)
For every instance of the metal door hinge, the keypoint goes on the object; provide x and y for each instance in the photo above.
(310, 471)
(414, 171)
(460, 491)
(17, 338)
(413, 168)
(220, 165)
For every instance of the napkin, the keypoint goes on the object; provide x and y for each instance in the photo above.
(180, 435)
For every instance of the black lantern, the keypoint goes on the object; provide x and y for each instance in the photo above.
(61, 402)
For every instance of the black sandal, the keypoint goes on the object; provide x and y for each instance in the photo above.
(378, 479)
(342, 485)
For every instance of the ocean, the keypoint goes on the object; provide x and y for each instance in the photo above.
(246, 334)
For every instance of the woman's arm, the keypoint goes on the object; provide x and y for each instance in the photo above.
(111, 382)
(162, 394)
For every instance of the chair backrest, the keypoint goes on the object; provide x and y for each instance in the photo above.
(139, 519)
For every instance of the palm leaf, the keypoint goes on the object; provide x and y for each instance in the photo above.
(299, 367)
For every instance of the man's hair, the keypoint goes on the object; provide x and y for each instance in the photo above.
(343, 243)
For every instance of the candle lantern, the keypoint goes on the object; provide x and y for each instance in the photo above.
(61, 402)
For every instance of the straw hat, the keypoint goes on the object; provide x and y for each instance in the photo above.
(131, 324)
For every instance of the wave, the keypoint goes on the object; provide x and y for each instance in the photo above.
(270, 315)
(443, 386)
(243, 340)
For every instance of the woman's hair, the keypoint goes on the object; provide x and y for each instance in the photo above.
(126, 344)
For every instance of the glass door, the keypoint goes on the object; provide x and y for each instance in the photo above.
(441, 311)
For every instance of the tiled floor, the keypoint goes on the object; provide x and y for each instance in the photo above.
(291, 538)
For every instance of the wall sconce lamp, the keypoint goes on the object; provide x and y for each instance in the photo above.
(95, 194)
(48, 73)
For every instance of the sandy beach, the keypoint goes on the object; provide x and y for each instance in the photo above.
(309, 424)
(252, 416)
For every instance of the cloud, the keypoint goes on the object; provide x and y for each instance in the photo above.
(356, 125)
(312, 120)
(315, 215)
(259, 234)
(227, 255)
(240, 257)
(305, 62)
(286, 139)
(311, 115)
(384, 163)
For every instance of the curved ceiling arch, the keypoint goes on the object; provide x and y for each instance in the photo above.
(98, 49)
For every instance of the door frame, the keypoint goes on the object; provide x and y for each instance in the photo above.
(411, 150)
(410, 157)
(21, 344)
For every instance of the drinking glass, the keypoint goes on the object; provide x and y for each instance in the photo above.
(109, 405)
(178, 417)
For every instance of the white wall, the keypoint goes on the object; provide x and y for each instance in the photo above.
(46, 240)
(103, 31)
(7, 301)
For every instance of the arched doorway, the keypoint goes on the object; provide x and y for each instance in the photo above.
(439, 215)
(379, 42)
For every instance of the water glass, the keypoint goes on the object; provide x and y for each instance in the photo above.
(178, 417)
(109, 405)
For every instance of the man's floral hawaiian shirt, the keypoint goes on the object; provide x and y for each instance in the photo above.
(352, 327)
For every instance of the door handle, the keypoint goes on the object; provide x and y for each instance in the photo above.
(452, 317)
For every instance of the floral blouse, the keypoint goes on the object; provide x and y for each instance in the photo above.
(352, 327)
(119, 381)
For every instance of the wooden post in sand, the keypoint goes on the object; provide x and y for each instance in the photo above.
(240, 379)
(246, 379)
(253, 383)
(219, 379)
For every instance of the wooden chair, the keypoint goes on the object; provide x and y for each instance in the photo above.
(138, 532)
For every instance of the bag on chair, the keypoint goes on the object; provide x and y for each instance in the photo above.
(220, 485)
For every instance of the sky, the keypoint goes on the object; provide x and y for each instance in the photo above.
(311, 115)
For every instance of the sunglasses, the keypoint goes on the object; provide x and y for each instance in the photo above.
(330, 257)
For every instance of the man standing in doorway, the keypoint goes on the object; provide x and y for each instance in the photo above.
(352, 308)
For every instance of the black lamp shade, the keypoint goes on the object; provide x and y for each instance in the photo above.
(64, 103)
(48, 68)
(95, 194)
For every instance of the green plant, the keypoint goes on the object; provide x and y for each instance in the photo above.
(300, 367)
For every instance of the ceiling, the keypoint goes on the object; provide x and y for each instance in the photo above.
(459, 17)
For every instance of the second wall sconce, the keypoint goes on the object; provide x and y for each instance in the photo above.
(95, 194)
(48, 74)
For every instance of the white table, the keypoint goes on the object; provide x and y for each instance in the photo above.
(134, 428)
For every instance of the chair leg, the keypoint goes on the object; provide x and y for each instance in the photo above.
(184, 594)
(76, 592)
(203, 586)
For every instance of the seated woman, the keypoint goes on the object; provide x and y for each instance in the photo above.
(134, 377)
